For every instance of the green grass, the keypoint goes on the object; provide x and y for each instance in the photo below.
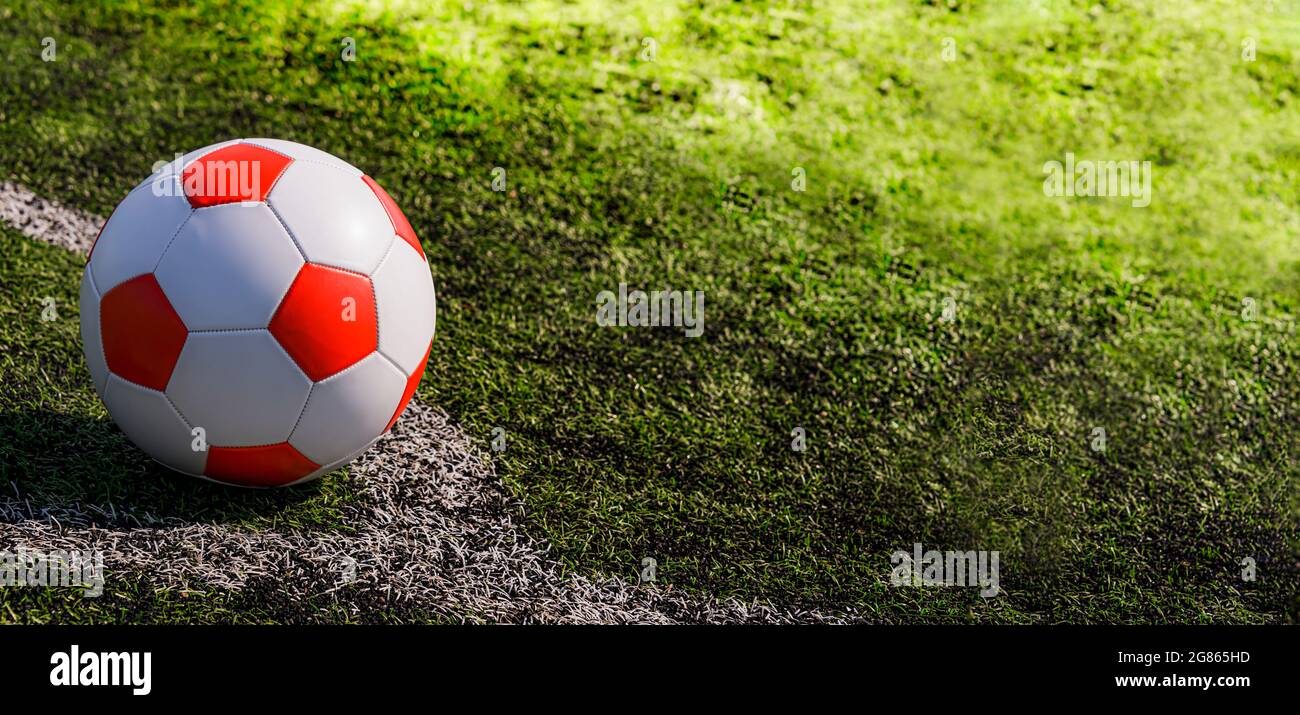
(822, 308)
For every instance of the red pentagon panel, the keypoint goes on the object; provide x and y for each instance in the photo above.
(271, 465)
(239, 172)
(142, 333)
(400, 224)
(327, 321)
(412, 382)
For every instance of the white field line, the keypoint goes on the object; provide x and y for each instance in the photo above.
(434, 531)
(47, 221)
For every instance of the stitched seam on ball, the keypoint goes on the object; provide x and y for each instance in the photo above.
(374, 297)
(301, 371)
(256, 446)
(172, 240)
(345, 370)
(273, 151)
(375, 188)
(344, 270)
(400, 369)
(266, 195)
(289, 231)
(318, 162)
(177, 410)
(184, 420)
(298, 421)
(374, 292)
(344, 169)
(286, 354)
(327, 264)
(180, 174)
(279, 303)
(337, 373)
(311, 393)
(227, 330)
(99, 327)
(390, 361)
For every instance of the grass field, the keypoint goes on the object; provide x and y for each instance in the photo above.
(659, 145)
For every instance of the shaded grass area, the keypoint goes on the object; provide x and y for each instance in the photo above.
(131, 598)
(823, 307)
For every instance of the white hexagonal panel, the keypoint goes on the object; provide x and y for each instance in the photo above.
(336, 464)
(152, 423)
(239, 386)
(406, 304)
(138, 232)
(302, 152)
(335, 218)
(92, 344)
(347, 411)
(229, 267)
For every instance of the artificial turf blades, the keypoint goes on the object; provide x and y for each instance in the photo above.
(669, 164)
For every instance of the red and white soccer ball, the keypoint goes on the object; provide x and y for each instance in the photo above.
(257, 313)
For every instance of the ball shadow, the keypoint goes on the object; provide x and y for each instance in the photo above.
(83, 471)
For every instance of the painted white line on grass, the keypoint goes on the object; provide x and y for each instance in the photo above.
(433, 531)
(46, 221)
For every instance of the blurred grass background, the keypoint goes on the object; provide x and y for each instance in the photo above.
(674, 170)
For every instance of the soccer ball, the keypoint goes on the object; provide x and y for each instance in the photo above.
(257, 312)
